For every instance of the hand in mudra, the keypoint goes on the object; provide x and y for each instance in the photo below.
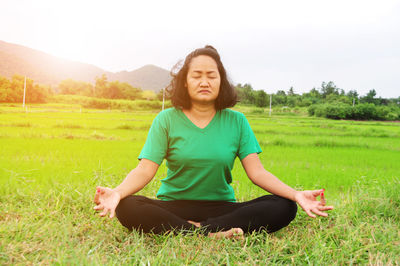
(308, 202)
(107, 200)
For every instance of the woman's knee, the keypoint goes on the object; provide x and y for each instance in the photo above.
(283, 211)
(127, 206)
(288, 208)
(291, 208)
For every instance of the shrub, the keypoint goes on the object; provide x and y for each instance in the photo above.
(257, 111)
(392, 116)
(320, 110)
(311, 109)
(337, 111)
(367, 111)
(100, 103)
(97, 104)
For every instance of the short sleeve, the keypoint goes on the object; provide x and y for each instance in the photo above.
(248, 143)
(156, 145)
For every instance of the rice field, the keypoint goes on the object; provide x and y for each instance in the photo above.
(52, 157)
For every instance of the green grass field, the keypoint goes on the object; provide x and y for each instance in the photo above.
(53, 156)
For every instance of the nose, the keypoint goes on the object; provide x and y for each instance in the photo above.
(204, 83)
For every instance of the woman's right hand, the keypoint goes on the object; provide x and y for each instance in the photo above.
(106, 199)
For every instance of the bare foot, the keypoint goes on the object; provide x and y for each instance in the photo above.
(235, 233)
(194, 223)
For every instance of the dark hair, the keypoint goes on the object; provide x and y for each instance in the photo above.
(178, 93)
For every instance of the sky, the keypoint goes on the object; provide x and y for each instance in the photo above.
(273, 45)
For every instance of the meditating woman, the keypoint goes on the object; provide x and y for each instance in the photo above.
(200, 138)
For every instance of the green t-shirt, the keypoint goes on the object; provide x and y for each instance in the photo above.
(199, 161)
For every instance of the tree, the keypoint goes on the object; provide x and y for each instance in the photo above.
(261, 98)
(315, 92)
(291, 92)
(13, 91)
(246, 93)
(370, 97)
(279, 98)
(113, 90)
(100, 86)
(352, 94)
(311, 97)
(130, 92)
(281, 92)
(4, 89)
(70, 86)
(329, 88)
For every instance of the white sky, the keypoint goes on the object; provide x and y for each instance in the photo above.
(269, 44)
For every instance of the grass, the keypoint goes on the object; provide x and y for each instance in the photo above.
(52, 157)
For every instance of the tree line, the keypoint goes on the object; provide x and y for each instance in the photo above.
(327, 93)
(12, 90)
(327, 101)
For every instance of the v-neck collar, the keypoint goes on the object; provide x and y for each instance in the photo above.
(191, 124)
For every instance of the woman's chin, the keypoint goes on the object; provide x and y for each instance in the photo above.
(203, 101)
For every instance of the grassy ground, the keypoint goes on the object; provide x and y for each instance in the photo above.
(53, 156)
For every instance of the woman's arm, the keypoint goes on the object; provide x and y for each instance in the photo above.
(267, 181)
(264, 179)
(107, 199)
(138, 178)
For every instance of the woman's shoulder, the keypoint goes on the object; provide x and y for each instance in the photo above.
(167, 116)
(172, 111)
(232, 114)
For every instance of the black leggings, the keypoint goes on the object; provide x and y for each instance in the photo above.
(269, 213)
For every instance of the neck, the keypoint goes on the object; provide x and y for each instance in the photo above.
(202, 111)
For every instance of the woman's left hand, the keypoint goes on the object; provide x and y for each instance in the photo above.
(308, 202)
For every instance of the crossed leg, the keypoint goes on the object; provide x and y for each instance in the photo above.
(218, 219)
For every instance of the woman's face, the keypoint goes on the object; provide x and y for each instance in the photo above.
(203, 80)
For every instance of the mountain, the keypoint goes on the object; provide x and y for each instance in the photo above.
(44, 68)
(148, 77)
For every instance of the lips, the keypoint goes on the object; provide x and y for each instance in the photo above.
(204, 91)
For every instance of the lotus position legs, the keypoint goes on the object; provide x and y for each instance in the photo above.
(217, 218)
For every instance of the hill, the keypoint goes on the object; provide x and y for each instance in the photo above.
(44, 68)
(148, 77)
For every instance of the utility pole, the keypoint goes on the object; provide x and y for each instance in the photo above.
(353, 101)
(270, 104)
(23, 103)
(163, 98)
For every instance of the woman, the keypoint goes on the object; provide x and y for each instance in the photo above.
(200, 139)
